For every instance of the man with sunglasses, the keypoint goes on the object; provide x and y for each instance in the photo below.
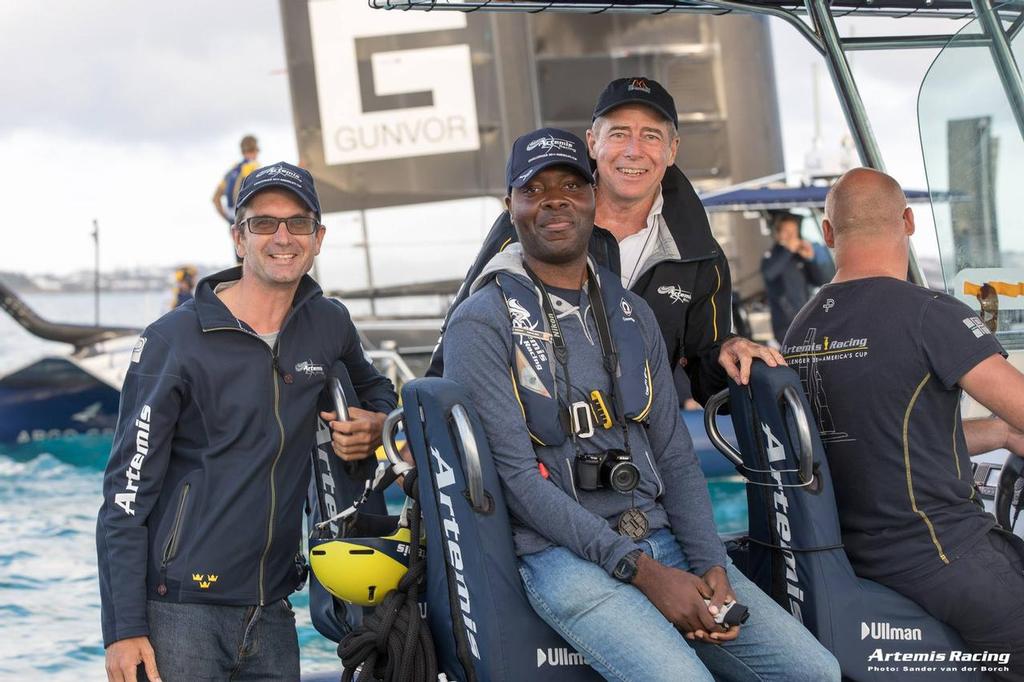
(199, 535)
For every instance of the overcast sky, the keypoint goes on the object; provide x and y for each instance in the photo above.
(129, 113)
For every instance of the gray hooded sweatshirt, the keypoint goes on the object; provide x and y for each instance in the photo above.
(554, 511)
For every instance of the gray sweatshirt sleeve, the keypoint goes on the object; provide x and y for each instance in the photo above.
(686, 499)
(476, 355)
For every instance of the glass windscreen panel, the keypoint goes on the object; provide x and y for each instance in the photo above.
(973, 151)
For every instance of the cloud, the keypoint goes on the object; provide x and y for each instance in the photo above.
(120, 71)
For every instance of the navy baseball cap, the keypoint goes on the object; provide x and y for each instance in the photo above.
(280, 174)
(637, 90)
(543, 148)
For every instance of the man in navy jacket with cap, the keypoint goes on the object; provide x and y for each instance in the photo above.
(199, 535)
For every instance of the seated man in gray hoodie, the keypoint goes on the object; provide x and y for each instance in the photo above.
(611, 515)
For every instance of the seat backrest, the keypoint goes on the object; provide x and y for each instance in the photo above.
(482, 624)
(795, 544)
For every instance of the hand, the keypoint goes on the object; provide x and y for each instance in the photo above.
(1014, 441)
(718, 581)
(679, 596)
(738, 354)
(804, 250)
(124, 656)
(357, 438)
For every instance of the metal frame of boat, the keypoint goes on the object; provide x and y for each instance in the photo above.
(821, 34)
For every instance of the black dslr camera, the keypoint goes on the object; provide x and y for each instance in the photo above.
(609, 469)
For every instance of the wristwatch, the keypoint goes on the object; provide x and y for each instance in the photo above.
(625, 570)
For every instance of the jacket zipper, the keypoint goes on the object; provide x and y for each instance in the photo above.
(171, 548)
(275, 371)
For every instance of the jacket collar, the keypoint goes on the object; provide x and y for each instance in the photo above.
(686, 218)
(213, 314)
(510, 260)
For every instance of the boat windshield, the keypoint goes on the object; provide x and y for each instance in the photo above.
(973, 151)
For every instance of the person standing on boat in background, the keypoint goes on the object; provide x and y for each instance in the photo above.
(567, 367)
(226, 194)
(791, 268)
(891, 361)
(184, 283)
(653, 231)
(200, 533)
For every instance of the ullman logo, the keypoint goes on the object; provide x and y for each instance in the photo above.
(133, 473)
(204, 580)
(887, 631)
(639, 84)
(446, 478)
(551, 142)
(560, 656)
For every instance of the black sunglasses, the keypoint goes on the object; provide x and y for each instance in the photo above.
(265, 224)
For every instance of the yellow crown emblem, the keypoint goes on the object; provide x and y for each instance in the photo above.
(204, 585)
(197, 577)
(212, 578)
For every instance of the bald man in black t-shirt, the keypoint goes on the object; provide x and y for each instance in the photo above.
(883, 363)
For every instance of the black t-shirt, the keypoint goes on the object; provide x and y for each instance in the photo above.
(879, 359)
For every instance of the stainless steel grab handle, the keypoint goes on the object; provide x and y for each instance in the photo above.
(474, 472)
(805, 459)
(711, 408)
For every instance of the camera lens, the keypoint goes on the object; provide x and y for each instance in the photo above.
(623, 477)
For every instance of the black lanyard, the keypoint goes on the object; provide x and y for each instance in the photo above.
(608, 352)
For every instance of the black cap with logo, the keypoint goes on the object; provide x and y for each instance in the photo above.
(543, 148)
(280, 174)
(637, 90)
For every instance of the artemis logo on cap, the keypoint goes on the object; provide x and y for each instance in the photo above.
(551, 142)
(639, 84)
(274, 171)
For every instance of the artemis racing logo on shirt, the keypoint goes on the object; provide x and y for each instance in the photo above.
(676, 293)
(310, 368)
(133, 473)
(828, 305)
(977, 326)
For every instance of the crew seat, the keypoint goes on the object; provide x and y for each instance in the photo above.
(793, 550)
(483, 627)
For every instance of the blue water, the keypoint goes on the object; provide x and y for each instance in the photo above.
(49, 495)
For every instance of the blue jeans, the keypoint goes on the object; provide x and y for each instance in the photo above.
(624, 636)
(207, 642)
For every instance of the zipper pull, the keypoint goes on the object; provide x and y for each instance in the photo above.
(288, 378)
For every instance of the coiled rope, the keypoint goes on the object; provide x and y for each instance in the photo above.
(393, 643)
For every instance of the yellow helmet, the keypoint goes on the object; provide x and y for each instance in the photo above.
(362, 570)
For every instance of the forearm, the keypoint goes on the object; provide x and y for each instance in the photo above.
(984, 435)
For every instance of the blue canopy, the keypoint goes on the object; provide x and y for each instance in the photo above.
(784, 198)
